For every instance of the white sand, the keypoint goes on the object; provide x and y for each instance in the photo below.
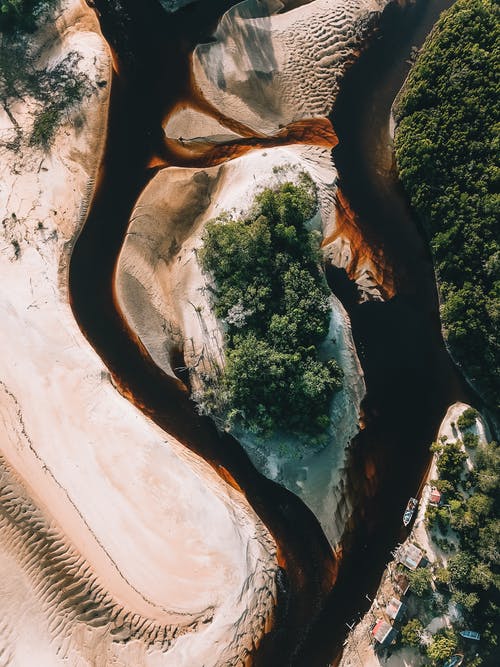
(266, 69)
(165, 297)
(134, 530)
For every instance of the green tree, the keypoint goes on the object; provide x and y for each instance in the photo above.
(443, 645)
(275, 302)
(450, 463)
(459, 567)
(447, 153)
(411, 633)
(467, 419)
(466, 600)
(442, 576)
(420, 581)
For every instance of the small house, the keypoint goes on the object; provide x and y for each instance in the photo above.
(435, 497)
(410, 556)
(401, 583)
(381, 631)
(394, 608)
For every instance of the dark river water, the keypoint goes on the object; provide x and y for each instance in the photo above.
(410, 380)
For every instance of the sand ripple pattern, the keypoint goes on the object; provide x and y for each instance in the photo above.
(70, 591)
(268, 70)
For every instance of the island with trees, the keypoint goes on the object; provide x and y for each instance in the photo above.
(272, 296)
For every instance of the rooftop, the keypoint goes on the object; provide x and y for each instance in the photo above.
(381, 630)
(393, 608)
(410, 556)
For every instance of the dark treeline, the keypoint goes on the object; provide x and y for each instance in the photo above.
(447, 147)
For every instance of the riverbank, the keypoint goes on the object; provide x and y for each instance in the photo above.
(431, 554)
(166, 299)
(111, 502)
(431, 131)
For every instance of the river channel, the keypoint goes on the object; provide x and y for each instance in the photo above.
(410, 379)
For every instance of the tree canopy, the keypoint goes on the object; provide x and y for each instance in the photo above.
(273, 298)
(447, 147)
(54, 90)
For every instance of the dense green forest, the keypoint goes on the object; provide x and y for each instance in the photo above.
(447, 148)
(274, 300)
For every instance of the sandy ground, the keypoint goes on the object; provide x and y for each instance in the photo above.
(268, 69)
(166, 298)
(262, 71)
(272, 63)
(359, 650)
(116, 543)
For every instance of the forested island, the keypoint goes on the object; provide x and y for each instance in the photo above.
(447, 148)
(273, 298)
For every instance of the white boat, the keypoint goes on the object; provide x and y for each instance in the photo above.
(470, 634)
(409, 511)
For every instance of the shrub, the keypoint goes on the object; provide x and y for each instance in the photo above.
(467, 419)
(450, 463)
(470, 440)
(442, 576)
(53, 90)
(466, 600)
(411, 633)
(459, 567)
(443, 645)
(420, 581)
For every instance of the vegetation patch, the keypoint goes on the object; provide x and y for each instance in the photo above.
(447, 147)
(53, 91)
(273, 298)
(470, 513)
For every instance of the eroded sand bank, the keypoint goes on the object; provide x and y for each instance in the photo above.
(117, 543)
(270, 64)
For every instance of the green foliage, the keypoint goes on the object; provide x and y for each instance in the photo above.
(470, 439)
(450, 463)
(486, 474)
(442, 576)
(53, 91)
(274, 300)
(447, 146)
(22, 15)
(467, 419)
(459, 567)
(420, 581)
(466, 600)
(411, 633)
(473, 572)
(443, 645)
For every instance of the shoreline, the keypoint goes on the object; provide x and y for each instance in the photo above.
(86, 431)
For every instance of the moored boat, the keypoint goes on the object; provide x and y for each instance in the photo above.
(409, 511)
(470, 634)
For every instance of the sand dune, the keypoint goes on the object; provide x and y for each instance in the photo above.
(166, 298)
(268, 69)
(116, 542)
